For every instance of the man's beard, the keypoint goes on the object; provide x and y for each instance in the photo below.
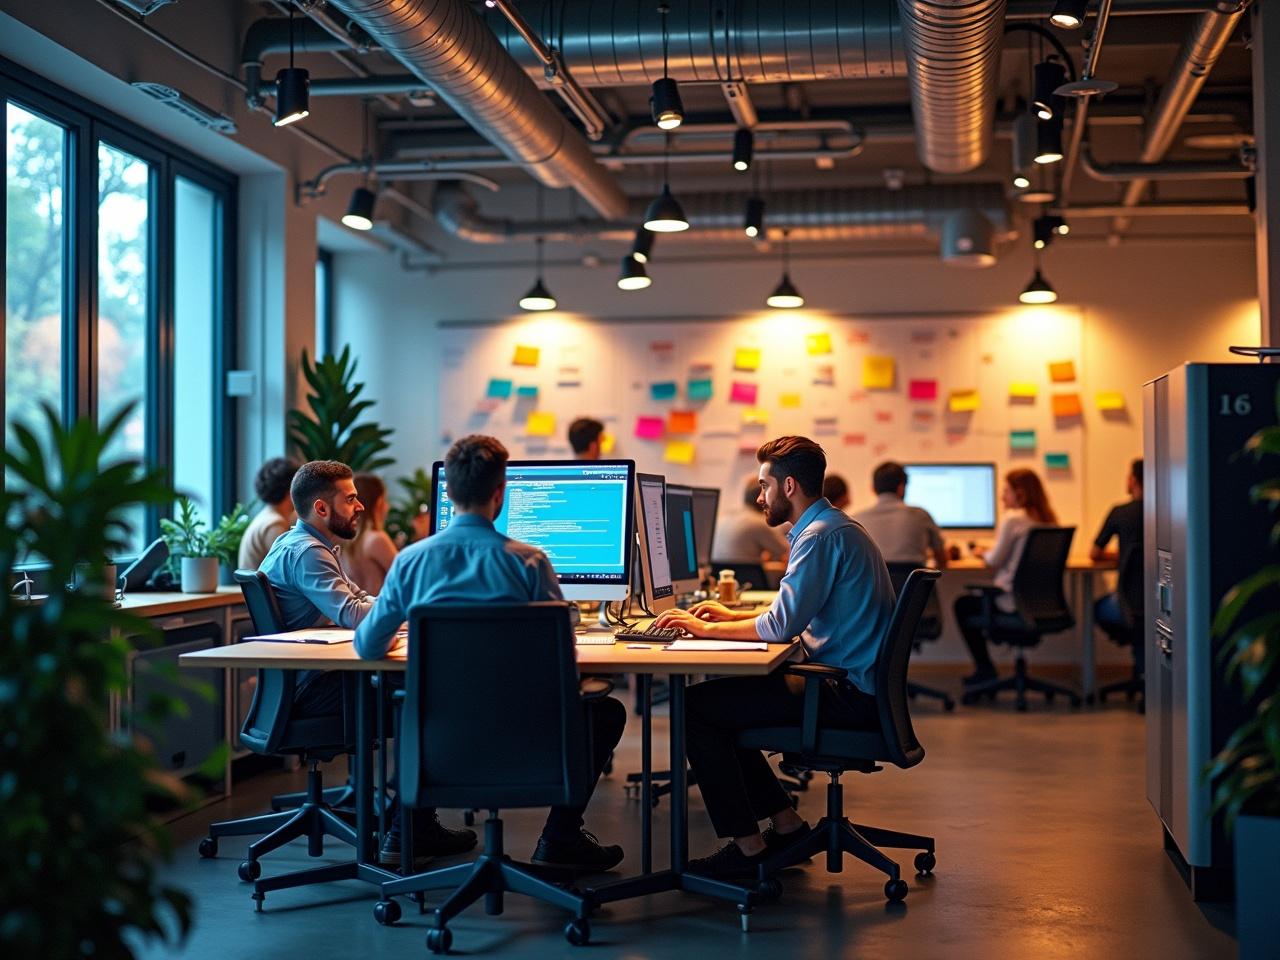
(346, 530)
(777, 513)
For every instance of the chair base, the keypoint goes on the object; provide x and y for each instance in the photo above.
(920, 690)
(1019, 683)
(343, 796)
(1134, 689)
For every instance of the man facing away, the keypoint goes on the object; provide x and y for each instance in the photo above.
(271, 484)
(471, 562)
(836, 596)
(584, 438)
(903, 533)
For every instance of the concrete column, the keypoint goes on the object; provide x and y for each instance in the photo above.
(1265, 25)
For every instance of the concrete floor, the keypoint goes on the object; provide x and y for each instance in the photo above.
(1046, 848)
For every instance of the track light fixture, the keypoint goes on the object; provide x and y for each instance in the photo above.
(664, 100)
(1057, 225)
(359, 215)
(1049, 140)
(744, 145)
(665, 215)
(1068, 14)
(1024, 148)
(1042, 232)
(785, 296)
(753, 218)
(642, 245)
(1049, 74)
(293, 88)
(633, 275)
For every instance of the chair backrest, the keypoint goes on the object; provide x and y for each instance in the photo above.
(492, 713)
(891, 668)
(1129, 585)
(1038, 580)
(264, 725)
(750, 576)
(930, 625)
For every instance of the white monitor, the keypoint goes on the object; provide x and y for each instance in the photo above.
(651, 531)
(959, 496)
(578, 513)
(682, 540)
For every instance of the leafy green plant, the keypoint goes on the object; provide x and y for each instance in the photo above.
(417, 495)
(187, 537)
(330, 432)
(78, 842)
(1247, 769)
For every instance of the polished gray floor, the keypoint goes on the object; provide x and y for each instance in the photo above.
(1046, 848)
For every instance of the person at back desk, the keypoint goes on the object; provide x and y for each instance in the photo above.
(837, 597)
(744, 536)
(1124, 523)
(272, 484)
(470, 562)
(904, 534)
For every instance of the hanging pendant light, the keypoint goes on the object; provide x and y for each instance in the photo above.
(665, 215)
(1024, 148)
(753, 218)
(1049, 140)
(744, 146)
(293, 88)
(642, 245)
(538, 298)
(359, 215)
(664, 99)
(785, 296)
(1039, 290)
(633, 275)
(1068, 14)
(1047, 77)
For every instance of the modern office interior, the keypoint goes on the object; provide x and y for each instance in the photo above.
(859, 418)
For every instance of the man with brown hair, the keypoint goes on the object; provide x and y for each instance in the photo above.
(836, 596)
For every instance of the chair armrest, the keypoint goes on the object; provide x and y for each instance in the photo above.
(814, 674)
(594, 688)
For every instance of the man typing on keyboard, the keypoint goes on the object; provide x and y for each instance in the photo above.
(837, 597)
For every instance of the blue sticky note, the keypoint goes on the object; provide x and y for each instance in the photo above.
(1022, 439)
(1057, 461)
(663, 391)
(699, 389)
(499, 389)
(526, 391)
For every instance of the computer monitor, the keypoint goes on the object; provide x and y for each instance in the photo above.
(706, 505)
(959, 496)
(578, 513)
(651, 531)
(682, 540)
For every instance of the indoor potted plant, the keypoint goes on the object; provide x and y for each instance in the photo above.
(202, 552)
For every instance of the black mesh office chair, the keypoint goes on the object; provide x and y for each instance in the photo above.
(513, 735)
(834, 751)
(1130, 633)
(928, 630)
(271, 729)
(1040, 609)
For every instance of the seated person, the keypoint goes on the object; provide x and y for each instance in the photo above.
(585, 438)
(1124, 522)
(836, 596)
(904, 534)
(744, 536)
(470, 562)
(371, 550)
(272, 487)
(836, 489)
(311, 587)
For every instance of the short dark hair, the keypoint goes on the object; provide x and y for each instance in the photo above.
(272, 481)
(583, 432)
(751, 492)
(1135, 469)
(834, 488)
(316, 480)
(797, 457)
(888, 477)
(474, 468)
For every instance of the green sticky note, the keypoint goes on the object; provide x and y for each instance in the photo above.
(499, 389)
(663, 391)
(699, 389)
(1022, 439)
(531, 391)
(1057, 461)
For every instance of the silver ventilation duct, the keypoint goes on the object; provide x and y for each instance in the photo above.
(453, 51)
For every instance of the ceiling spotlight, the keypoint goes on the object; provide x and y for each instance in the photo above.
(1057, 224)
(785, 296)
(538, 298)
(1042, 232)
(968, 240)
(642, 245)
(1049, 140)
(664, 100)
(633, 275)
(665, 215)
(743, 147)
(359, 215)
(1068, 14)
(293, 88)
(1039, 290)
(1024, 148)
(753, 219)
(1048, 75)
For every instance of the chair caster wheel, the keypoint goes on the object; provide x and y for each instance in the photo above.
(249, 870)
(469, 818)
(439, 940)
(744, 917)
(770, 889)
(925, 862)
(578, 932)
(896, 891)
(208, 848)
(386, 912)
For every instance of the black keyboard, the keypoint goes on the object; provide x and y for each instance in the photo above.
(651, 634)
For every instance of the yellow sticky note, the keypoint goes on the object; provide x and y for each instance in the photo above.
(540, 424)
(1063, 371)
(746, 358)
(1067, 405)
(1024, 390)
(963, 401)
(755, 415)
(877, 373)
(790, 400)
(607, 442)
(1110, 400)
(818, 343)
(525, 356)
(678, 451)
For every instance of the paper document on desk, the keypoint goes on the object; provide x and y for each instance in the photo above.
(708, 646)
(325, 635)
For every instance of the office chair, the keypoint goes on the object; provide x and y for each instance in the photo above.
(514, 734)
(1040, 609)
(929, 629)
(1130, 593)
(834, 751)
(271, 729)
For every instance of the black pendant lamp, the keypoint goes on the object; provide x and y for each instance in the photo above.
(633, 275)
(785, 296)
(359, 215)
(1039, 290)
(539, 298)
(664, 98)
(665, 215)
(293, 88)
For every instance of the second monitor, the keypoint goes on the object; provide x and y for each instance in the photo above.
(683, 546)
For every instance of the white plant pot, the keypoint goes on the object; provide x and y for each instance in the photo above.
(199, 574)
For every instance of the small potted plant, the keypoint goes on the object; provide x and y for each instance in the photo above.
(202, 552)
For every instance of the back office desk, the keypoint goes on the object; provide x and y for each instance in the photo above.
(602, 658)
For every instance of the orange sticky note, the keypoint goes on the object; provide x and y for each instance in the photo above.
(1062, 371)
(525, 356)
(789, 400)
(678, 451)
(963, 401)
(746, 358)
(682, 421)
(818, 343)
(540, 424)
(1067, 405)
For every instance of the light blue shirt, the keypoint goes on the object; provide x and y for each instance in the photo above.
(836, 595)
(309, 582)
(466, 562)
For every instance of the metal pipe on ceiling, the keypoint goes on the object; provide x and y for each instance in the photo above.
(1020, 10)
(1207, 209)
(1125, 172)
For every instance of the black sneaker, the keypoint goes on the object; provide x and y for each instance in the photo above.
(389, 854)
(777, 842)
(584, 853)
(434, 839)
(728, 863)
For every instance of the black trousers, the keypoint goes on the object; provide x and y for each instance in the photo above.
(606, 718)
(969, 617)
(738, 785)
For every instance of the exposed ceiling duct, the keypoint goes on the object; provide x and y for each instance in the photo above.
(453, 51)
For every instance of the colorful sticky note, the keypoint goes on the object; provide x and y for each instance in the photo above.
(1110, 400)
(1022, 439)
(824, 425)
(746, 358)
(922, 336)
(699, 389)
(540, 424)
(663, 391)
(1024, 390)
(1057, 461)
(498, 389)
(755, 416)
(648, 428)
(678, 451)
(607, 442)
(877, 373)
(855, 439)
(682, 421)
(818, 344)
(743, 393)
(1062, 371)
(824, 375)
(789, 400)
(963, 401)
(662, 346)
(884, 416)
(569, 377)
(923, 390)
(922, 416)
(525, 356)
(858, 336)
(526, 391)
(1067, 405)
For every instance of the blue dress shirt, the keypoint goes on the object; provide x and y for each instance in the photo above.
(309, 582)
(466, 562)
(836, 595)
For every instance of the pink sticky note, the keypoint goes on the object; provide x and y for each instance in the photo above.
(743, 393)
(649, 428)
(923, 390)
(855, 439)
(884, 416)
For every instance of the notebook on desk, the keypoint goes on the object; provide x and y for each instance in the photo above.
(324, 635)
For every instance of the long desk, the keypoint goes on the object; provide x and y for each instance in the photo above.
(592, 658)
